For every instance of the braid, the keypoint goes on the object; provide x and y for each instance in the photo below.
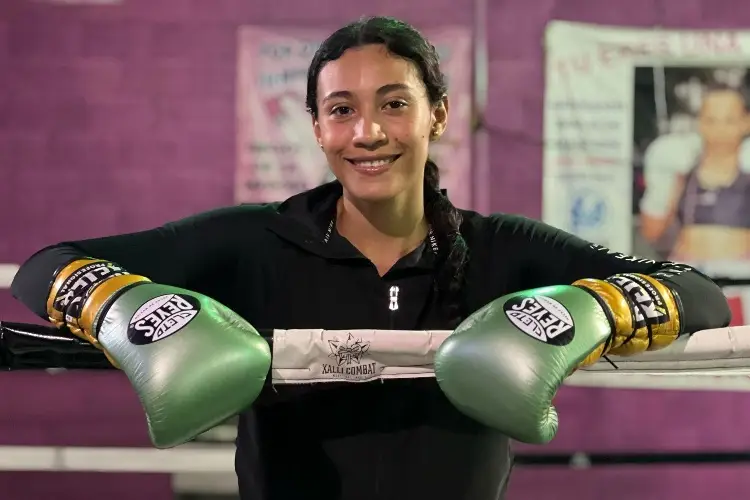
(445, 220)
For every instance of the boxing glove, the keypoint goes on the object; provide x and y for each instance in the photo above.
(665, 160)
(192, 361)
(503, 364)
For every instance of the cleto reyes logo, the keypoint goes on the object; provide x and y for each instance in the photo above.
(162, 317)
(82, 280)
(542, 318)
(650, 307)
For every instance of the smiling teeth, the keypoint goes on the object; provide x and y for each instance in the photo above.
(376, 163)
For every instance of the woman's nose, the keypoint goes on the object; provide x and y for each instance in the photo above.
(368, 133)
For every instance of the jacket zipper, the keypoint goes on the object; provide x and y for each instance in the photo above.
(392, 304)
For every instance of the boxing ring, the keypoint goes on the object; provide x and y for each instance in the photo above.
(711, 360)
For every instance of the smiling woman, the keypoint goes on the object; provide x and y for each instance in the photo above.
(381, 248)
(378, 98)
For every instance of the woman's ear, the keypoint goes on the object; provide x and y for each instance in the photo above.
(316, 131)
(439, 118)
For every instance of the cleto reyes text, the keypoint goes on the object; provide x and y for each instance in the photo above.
(530, 309)
(175, 312)
(650, 306)
(79, 282)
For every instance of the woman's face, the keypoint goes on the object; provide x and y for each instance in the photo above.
(723, 120)
(375, 122)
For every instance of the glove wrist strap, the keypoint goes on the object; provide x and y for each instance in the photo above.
(645, 312)
(98, 297)
(79, 290)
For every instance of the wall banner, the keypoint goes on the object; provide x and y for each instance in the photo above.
(647, 142)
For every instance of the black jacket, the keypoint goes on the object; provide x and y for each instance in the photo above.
(278, 266)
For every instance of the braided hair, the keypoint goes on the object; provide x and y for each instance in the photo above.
(445, 220)
(405, 41)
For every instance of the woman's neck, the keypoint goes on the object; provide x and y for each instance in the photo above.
(723, 155)
(384, 231)
(718, 169)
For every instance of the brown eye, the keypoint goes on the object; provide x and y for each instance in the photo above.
(341, 111)
(395, 105)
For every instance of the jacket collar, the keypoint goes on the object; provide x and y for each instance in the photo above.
(307, 220)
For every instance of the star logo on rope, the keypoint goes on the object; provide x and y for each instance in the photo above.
(348, 352)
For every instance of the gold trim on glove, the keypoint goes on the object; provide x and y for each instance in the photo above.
(57, 317)
(96, 299)
(618, 306)
(647, 305)
(594, 357)
(665, 330)
(644, 310)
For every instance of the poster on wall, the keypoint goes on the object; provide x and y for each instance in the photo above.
(278, 155)
(738, 298)
(647, 142)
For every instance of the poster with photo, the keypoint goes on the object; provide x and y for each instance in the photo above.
(647, 142)
(277, 154)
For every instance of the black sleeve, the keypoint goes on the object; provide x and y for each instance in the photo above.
(192, 253)
(554, 257)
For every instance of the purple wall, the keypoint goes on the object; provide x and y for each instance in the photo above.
(114, 119)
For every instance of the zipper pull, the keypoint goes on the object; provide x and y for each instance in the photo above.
(393, 306)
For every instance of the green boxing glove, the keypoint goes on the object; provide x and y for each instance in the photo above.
(503, 365)
(192, 361)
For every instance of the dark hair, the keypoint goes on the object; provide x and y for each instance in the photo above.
(405, 41)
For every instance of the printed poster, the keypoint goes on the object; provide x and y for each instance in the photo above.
(738, 298)
(277, 152)
(647, 142)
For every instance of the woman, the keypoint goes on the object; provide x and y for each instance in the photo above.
(379, 248)
(711, 202)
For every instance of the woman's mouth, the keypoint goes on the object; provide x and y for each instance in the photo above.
(375, 165)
